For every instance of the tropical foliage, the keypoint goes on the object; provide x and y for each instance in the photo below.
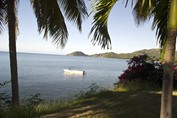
(143, 10)
(51, 20)
(144, 69)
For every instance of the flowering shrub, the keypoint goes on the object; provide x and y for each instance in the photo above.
(144, 69)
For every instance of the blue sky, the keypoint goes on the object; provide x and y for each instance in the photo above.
(125, 35)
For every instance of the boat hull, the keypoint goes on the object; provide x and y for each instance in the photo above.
(74, 72)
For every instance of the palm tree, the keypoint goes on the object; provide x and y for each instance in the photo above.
(50, 20)
(12, 21)
(164, 15)
(165, 19)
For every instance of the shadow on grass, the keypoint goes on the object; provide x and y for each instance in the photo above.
(111, 104)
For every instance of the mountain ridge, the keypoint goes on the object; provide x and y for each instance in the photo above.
(151, 52)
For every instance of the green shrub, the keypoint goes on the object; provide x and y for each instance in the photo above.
(92, 89)
(144, 69)
(26, 110)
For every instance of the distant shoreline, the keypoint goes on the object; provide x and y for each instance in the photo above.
(33, 53)
(151, 52)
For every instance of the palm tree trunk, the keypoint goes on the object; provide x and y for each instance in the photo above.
(167, 87)
(12, 51)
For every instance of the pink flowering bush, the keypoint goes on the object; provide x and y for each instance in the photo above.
(144, 69)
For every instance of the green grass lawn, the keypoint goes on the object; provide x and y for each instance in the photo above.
(134, 100)
(114, 104)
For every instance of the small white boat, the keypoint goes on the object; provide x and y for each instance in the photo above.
(74, 72)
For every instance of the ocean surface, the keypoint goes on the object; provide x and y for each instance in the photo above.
(43, 73)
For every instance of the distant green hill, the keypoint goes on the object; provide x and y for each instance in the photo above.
(106, 55)
(151, 52)
(77, 53)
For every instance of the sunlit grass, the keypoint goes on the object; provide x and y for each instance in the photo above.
(127, 101)
(175, 93)
(134, 100)
(50, 107)
(26, 111)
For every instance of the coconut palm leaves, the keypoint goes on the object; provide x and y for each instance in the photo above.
(160, 14)
(2, 14)
(51, 20)
(143, 10)
(160, 23)
(74, 10)
(159, 11)
(100, 28)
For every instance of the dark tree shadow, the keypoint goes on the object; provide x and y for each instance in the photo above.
(110, 104)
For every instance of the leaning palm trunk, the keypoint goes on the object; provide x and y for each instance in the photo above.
(167, 87)
(12, 51)
(166, 100)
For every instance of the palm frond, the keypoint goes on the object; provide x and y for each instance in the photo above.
(75, 11)
(51, 21)
(93, 6)
(127, 1)
(5, 15)
(2, 15)
(142, 10)
(99, 28)
(160, 23)
(158, 10)
(160, 14)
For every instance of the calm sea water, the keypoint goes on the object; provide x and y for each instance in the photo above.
(42, 73)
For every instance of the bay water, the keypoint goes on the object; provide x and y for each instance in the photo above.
(43, 73)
